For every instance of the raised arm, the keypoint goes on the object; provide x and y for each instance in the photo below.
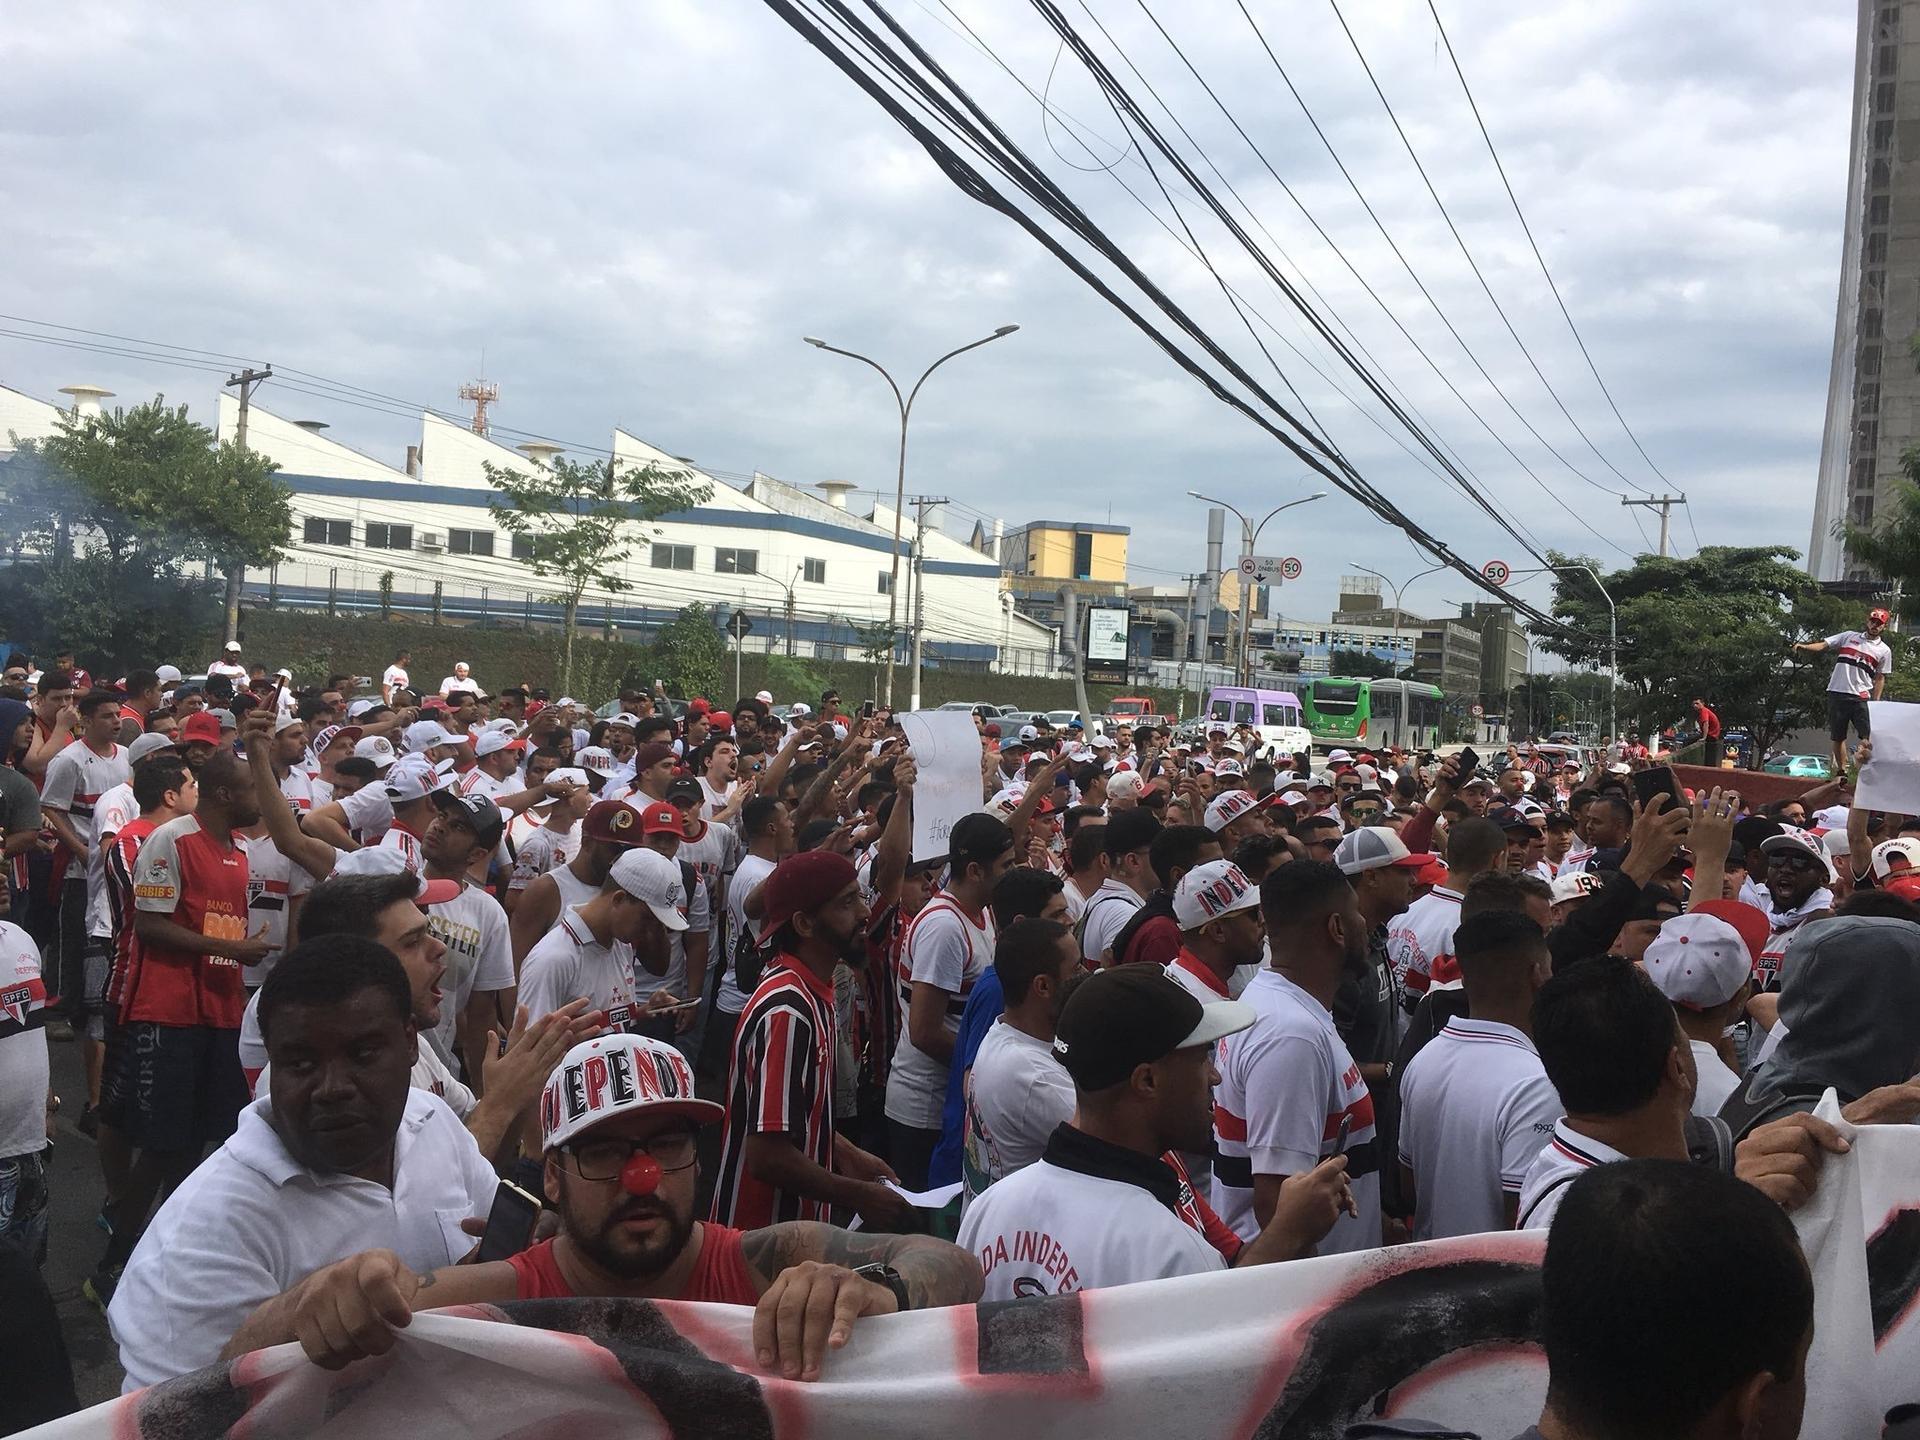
(313, 855)
(895, 849)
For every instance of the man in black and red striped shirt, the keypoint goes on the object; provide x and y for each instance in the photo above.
(780, 1158)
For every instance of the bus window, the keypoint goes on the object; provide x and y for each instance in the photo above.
(1336, 697)
(1243, 712)
(1219, 710)
(1281, 715)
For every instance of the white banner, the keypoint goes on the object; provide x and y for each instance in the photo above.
(946, 748)
(1444, 1331)
(1891, 780)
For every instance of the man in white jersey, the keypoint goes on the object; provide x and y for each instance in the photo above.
(1290, 1094)
(948, 945)
(713, 849)
(1102, 1206)
(611, 828)
(79, 773)
(229, 664)
(1128, 837)
(1420, 941)
(1622, 1067)
(554, 841)
(663, 832)
(768, 828)
(1861, 663)
(473, 927)
(1475, 1103)
(461, 682)
(394, 681)
(1701, 963)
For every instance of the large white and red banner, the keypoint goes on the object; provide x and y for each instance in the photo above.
(1442, 1331)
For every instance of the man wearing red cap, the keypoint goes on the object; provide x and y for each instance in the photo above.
(1861, 663)
(780, 1158)
(618, 1123)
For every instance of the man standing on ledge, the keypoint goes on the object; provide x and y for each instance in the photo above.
(1861, 663)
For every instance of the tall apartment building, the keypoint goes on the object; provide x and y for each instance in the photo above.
(1873, 393)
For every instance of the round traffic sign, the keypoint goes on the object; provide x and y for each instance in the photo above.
(1498, 571)
(1290, 568)
(1248, 565)
(1478, 711)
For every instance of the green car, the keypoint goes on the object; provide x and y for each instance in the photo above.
(1801, 767)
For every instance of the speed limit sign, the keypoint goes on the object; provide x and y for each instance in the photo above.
(1290, 568)
(1496, 571)
(1478, 711)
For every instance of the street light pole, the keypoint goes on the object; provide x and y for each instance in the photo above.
(1613, 637)
(1249, 537)
(900, 481)
(1398, 591)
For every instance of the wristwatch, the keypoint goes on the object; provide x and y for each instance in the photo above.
(883, 1274)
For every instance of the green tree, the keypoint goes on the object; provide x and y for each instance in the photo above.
(106, 513)
(1362, 664)
(583, 519)
(1719, 625)
(692, 653)
(876, 641)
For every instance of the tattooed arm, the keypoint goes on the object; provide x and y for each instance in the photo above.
(812, 1297)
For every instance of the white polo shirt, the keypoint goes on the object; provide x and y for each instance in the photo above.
(568, 963)
(252, 1222)
(1565, 1158)
(1285, 1086)
(1475, 1108)
(479, 956)
(1049, 1230)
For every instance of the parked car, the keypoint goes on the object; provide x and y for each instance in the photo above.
(977, 707)
(1015, 719)
(1801, 767)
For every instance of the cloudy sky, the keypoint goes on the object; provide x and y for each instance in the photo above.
(630, 213)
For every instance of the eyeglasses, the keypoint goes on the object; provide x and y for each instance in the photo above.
(1365, 812)
(605, 1159)
(1791, 860)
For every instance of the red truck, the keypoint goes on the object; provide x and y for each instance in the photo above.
(1135, 710)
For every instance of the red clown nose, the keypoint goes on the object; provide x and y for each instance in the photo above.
(641, 1174)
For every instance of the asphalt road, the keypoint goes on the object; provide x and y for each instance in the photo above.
(74, 1241)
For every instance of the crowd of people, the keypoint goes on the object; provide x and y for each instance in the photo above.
(394, 1001)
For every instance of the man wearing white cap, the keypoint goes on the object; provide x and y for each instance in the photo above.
(461, 682)
(229, 664)
(1222, 932)
(433, 740)
(593, 949)
(1235, 815)
(1366, 1008)
(619, 1122)
(1797, 876)
(1702, 965)
(556, 840)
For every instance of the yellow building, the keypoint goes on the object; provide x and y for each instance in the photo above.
(1044, 557)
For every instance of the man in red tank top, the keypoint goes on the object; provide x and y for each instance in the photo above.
(618, 1122)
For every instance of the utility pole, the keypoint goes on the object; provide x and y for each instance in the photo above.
(236, 573)
(1664, 504)
(921, 504)
(1186, 640)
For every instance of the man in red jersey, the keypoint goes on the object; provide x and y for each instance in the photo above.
(618, 1120)
(181, 1000)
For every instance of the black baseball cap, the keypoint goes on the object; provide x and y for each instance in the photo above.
(683, 788)
(977, 839)
(476, 812)
(1133, 1015)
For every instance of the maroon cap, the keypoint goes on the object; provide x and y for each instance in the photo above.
(801, 884)
(650, 755)
(613, 821)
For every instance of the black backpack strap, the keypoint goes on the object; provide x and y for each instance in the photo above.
(1710, 1142)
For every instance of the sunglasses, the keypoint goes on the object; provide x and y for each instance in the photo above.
(1791, 860)
(1323, 844)
(1365, 812)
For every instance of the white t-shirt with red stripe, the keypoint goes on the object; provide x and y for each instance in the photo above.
(1475, 1108)
(1857, 663)
(23, 1045)
(1420, 942)
(1285, 1086)
(112, 813)
(568, 963)
(77, 776)
(947, 948)
(273, 883)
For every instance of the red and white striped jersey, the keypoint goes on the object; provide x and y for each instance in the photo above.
(1420, 942)
(77, 777)
(780, 1082)
(1857, 663)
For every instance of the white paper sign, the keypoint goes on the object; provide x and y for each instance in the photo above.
(1891, 780)
(946, 748)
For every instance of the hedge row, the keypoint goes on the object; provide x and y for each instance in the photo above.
(314, 645)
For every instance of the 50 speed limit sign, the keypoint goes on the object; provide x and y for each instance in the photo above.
(1290, 568)
(1497, 571)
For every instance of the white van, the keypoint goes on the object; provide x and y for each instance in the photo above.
(1274, 715)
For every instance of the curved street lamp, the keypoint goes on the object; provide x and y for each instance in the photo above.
(1249, 537)
(900, 483)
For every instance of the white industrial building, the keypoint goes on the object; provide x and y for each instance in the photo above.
(419, 537)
